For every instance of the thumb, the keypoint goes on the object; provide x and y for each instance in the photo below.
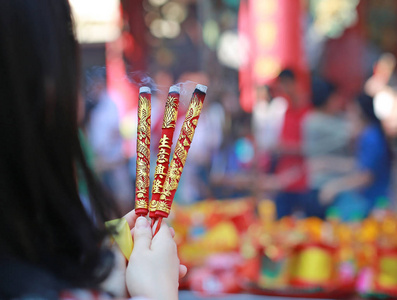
(142, 234)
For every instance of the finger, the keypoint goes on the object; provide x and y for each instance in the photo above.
(163, 239)
(132, 232)
(165, 230)
(131, 218)
(172, 230)
(142, 234)
(182, 271)
(163, 225)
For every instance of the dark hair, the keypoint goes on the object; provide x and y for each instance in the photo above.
(321, 91)
(286, 74)
(366, 104)
(42, 219)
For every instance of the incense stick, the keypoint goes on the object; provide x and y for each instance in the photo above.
(163, 157)
(143, 152)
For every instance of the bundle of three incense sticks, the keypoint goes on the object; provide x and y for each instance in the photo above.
(167, 176)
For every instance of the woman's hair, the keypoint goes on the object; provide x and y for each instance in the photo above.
(42, 219)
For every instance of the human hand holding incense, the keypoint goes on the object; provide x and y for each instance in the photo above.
(153, 268)
(117, 282)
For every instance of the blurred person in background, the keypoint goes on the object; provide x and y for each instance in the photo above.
(290, 181)
(267, 120)
(104, 137)
(382, 87)
(232, 162)
(356, 194)
(382, 75)
(326, 140)
(49, 245)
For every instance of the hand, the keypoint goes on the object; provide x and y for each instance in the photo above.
(153, 269)
(131, 218)
(115, 283)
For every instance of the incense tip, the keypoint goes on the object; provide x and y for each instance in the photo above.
(145, 89)
(174, 89)
(202, 88)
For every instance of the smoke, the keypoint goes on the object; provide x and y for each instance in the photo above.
(186, 91)
(140, 79)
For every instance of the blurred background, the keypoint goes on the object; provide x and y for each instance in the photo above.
(290, 184)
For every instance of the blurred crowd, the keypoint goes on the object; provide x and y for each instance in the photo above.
(332, 157)
(314, 152)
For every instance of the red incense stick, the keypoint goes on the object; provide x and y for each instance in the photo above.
(143, 153)
(180, 154)
(163, 157)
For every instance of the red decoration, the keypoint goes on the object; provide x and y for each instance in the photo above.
(385, 270)
(272, 33)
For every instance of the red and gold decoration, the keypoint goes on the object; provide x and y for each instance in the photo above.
(386, 271)
(313, 265)
(163, 157)
(181, 150)
(302, 258)
(166, 178)
(143, 152)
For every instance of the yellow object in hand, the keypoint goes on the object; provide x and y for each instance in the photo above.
(122, 237)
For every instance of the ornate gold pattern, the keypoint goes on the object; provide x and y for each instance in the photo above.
(153, 205)
(141, 204)
(194, 111)
(171, 112)
(160, 170)
(144, 110)
(157, 187)
(181, 149)
(164, 142)
(142, 149)
(162, 157)
(143, 153)
(163, 206)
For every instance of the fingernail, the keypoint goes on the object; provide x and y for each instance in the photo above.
(141, 222)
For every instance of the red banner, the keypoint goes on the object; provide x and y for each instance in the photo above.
(273, 33)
